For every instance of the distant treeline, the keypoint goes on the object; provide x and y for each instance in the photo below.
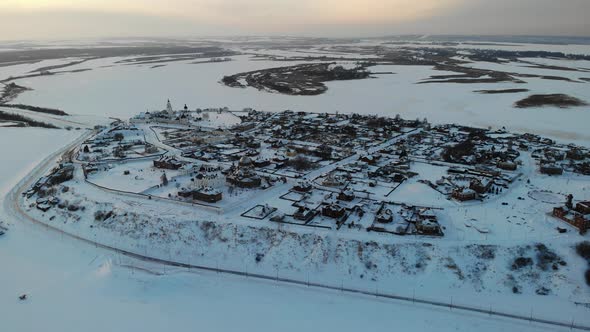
(4, 116)
(493, 55)
(36, 109)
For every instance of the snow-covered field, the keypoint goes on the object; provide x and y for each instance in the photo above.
(124, 90)
(73, 286)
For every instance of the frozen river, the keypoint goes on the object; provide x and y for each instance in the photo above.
(124, 90)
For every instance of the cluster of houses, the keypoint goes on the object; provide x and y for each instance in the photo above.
(471, 184)
(494, 150)
(43, 187)
(267, 145)
(64, 172)
(316, 206)
(203, 181)
(345, 131)
(206, 179)
(555, 159)
(578, 216)
(485, 162)
(407, 220)
(475, 167)
(266, 149)
(224, 146)
(168, 162)
(244, 175)
(117, 143)
(353, 196)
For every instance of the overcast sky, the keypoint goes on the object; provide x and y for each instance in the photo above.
(61, 19)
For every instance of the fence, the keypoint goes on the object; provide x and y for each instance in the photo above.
(155, 198)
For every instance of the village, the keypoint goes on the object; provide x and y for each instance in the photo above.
(340, 166)
(348, 173)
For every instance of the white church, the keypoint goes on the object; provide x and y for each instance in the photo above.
(168, 115)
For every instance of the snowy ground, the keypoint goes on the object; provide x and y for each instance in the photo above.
(73, 286)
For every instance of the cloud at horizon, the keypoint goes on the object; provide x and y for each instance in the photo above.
(62, 19)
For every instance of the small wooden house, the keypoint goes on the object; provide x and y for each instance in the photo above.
(304, 213)
(167, 162)
(208, 195)
(333, 211)
(464, 194)
(551, 169)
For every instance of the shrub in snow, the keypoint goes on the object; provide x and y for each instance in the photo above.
(583, 249)
(98, 215)
(483, 251)
(543, 291)
(101, 215)
(521, 262)
(300, 163)
(546, 258)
